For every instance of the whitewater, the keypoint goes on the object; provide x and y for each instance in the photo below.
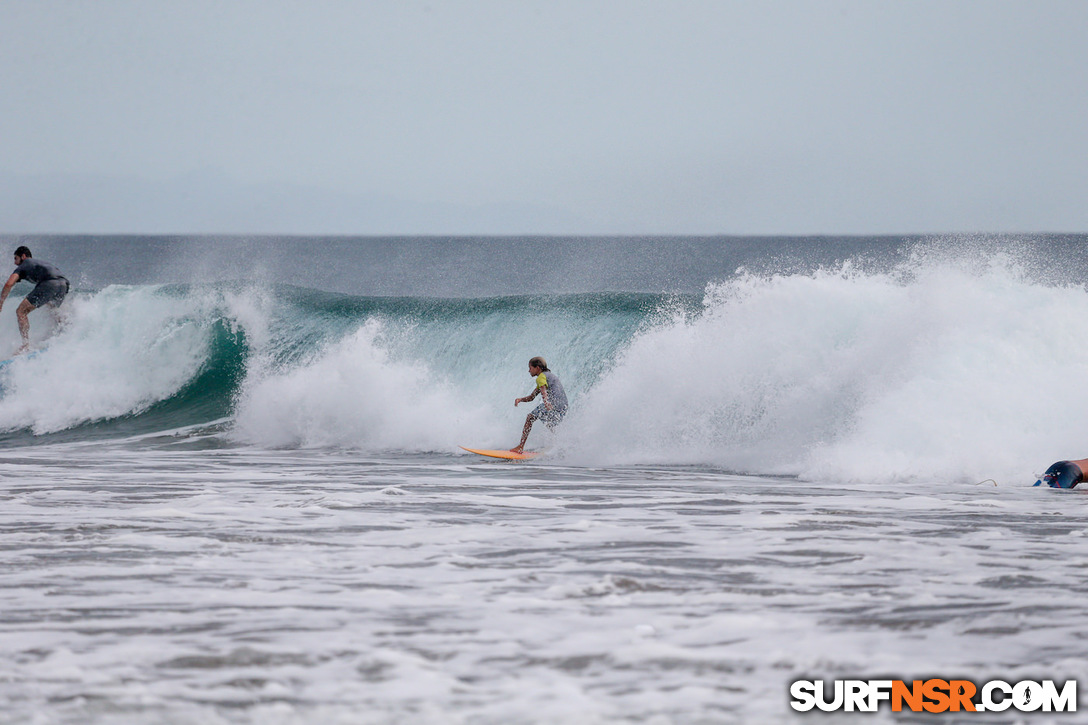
(233, 489)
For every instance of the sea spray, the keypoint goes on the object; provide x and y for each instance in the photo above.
(940, 373)
(351, 393)
(117, 353)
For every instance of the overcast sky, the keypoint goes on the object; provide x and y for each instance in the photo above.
(507, 117)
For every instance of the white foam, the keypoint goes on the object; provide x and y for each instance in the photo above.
(938, 371)
(117, 352)
(352, 393)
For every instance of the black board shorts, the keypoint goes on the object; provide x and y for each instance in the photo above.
(48, 292)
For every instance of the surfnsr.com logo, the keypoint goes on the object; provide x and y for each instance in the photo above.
(934, 695)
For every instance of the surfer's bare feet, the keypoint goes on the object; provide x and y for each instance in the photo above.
(22, 350)
(517, 449)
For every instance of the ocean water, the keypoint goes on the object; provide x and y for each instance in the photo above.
(232, 490)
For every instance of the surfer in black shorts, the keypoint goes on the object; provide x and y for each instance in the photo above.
(51, 288)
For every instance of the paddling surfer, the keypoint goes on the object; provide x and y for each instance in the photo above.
(1064, 474)
(554, 407)
(50, 289)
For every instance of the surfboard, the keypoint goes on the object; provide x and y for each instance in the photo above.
(508, 455)
(26, 356)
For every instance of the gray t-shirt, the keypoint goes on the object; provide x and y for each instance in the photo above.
(37, 271)
(556, 395)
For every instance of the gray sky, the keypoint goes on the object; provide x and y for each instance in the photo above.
(507, 117)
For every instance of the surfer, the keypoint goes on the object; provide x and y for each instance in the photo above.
(554, 407)
(1064, 474)
(51, 288)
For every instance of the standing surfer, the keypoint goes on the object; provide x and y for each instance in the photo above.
(51, 288)
(554, 407)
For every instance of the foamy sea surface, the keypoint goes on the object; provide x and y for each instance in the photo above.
(230, 493)
(143, 583)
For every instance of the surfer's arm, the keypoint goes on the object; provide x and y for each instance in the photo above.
(12, 281)
(544, 393)
(527, 398)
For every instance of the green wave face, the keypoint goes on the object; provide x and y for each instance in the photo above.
(135, 361)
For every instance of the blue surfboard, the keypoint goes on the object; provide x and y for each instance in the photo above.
(27, 356)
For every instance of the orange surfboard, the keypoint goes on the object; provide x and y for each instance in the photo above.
(508, 455)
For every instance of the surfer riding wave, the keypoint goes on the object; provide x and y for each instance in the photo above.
(51, 289)
(554, 407)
